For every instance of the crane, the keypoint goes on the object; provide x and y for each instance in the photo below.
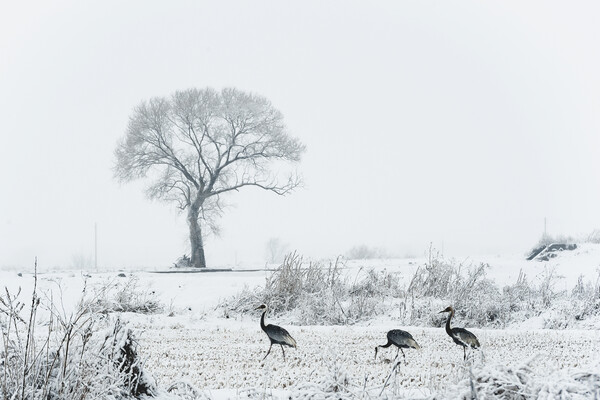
(400, 339)
(276, 334)
(460, 336)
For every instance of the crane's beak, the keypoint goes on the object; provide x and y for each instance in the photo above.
(442, 311)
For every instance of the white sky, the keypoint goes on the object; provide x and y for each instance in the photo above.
(458, 123)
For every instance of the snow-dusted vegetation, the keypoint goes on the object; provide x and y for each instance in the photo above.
(140, 334)
(331, 293)
(50, 353)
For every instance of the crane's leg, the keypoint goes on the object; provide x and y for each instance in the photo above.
(398, 352)
(403, 355)
(267, 352)
(465, 352)
(283, 352)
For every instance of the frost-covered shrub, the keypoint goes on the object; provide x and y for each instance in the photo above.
(519, 300)
(312, 291)
(498, 381)
(187, 391)
(547, 239)
(364, 252)
(479, 301)
(441, 278)
(295, 280)
(367, 293)
(423, 312)
(559, 316)
(519, 296)
(80, 356)
(559, 309)
(437, 278)
(547, 286)
(375, 284)
(440, 283)
(128, 296)
(334, 383)
(594, 237)
(586, 298)
(582, 303)
(183, 262)
(317, 293)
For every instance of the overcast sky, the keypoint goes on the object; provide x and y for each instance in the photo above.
(463, 123)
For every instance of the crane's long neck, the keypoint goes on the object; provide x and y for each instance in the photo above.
(262, 320)
(448, 329)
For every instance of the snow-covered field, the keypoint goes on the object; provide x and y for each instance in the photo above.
(194, 341)
(219, 354)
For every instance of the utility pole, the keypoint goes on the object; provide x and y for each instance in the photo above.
(96, 245)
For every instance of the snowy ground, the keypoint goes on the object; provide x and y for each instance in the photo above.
(193, 341)
(226, 354)
(202, 291)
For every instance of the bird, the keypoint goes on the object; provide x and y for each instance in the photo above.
(460, 336)
(276, 334)
(400, 339)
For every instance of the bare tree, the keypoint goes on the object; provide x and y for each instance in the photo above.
(198, 145)
(276, 249)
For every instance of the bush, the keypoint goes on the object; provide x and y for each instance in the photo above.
(334, 384)
(436, 278)
(310, 289)
(475, 298)
(480, 302)
(317, 293)
(128, 296)
(83, 356)
(586, 298)
(496, 381)
(313, 290)
(364, 252)
(183, 262)
(478, 381)
(593, 237)
(294, 281)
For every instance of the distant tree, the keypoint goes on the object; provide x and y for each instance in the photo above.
(594, 237)
(81, 261)
(276, 249)
(198, 145)
(364, 252)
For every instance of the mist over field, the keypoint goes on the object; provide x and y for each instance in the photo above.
(465, 125)
(206, 200)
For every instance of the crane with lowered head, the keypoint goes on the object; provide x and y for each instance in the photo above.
(401, 339)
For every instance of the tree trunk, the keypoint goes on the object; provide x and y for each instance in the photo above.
(196, 242)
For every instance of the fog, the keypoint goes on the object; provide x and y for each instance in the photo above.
(464, 125)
